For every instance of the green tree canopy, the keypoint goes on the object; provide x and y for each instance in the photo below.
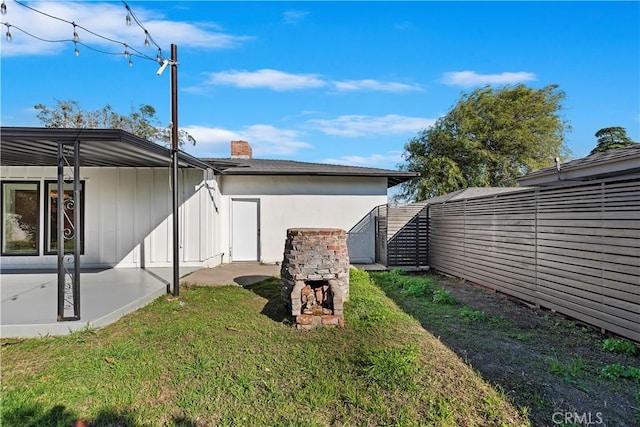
(611, 138)
(489, 138)
(142, 122)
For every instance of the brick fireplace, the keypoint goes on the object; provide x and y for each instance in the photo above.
(315, 276)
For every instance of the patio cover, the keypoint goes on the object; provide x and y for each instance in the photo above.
(26, 146)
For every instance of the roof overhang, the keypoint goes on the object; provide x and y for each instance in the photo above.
(26, 146)
(266, 167)
(392, 179)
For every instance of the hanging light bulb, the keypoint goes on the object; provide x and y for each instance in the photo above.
(130, 62)
(76, 50)
(159, 56)
(126, 51)
(128, 19)
(75, 33)
(3, 8)
(146, 41)
(9, 37)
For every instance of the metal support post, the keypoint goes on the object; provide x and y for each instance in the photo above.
(68, 278)
(174, 175)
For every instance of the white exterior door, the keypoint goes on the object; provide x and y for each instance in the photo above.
(245, 230)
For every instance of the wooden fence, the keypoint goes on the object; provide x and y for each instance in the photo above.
(573, 248)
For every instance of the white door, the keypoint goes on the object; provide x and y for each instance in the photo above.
(244, 230)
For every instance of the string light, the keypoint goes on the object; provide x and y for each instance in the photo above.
(148, 37)
(129, 51)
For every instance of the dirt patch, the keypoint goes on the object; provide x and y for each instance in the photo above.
(547, 364)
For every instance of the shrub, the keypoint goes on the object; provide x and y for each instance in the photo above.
(616, 371)
(419, 289)
(443, 296)
(619, 346)
(473, 315)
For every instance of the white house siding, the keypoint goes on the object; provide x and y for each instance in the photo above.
(128, 217)
(305, 201)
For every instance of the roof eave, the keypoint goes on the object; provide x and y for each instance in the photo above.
(617, 166)
(125, 145)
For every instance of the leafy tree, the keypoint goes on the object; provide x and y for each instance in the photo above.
(489, 138)
(142, 122)
(611, 138)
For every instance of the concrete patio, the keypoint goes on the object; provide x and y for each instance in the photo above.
(28, 299)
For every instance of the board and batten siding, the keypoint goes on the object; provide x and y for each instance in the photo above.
(128, 217)
(573, 248)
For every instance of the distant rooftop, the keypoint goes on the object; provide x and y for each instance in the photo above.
(621, 161)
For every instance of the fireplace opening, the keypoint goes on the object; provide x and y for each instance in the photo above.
(316, 298)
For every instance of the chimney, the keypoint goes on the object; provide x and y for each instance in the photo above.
(241, 150)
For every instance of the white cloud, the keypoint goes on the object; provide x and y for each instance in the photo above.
(210, 137)
(471, 78)
(266, 78)
(294, 16)
(265, 140)
(388, 160)
(107, 20)
(269, 140)
(283, 81)
(359, 125)
(374, 85)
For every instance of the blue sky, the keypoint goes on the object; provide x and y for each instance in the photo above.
(336, 82)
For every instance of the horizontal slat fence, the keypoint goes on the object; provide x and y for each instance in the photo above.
(406, 228)
(574, 249)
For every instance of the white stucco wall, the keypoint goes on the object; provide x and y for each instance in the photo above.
(128, 217)
(306, 201)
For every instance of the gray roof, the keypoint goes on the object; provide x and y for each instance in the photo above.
(290, 167)
(26, 146)
(621, 161)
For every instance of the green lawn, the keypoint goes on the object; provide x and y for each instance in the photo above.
(228, 356)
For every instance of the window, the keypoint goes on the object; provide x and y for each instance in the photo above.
(67, 207)
(20, 218)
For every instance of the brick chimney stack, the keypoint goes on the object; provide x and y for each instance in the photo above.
(241, 150)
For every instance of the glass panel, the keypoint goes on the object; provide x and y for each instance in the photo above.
(20, 218)
(67, 208)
